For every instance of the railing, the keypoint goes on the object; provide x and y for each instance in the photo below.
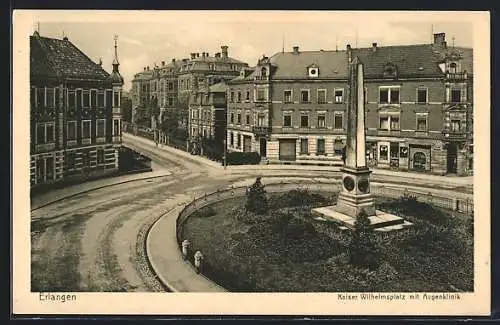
(452, 203)
(456, 75)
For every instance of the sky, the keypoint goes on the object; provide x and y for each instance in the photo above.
(148, 38)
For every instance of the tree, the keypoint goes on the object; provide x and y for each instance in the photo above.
(363, 251)
(170, 122)
(256, 198)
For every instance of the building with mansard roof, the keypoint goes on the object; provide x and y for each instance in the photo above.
(75, 116)
(291, 107)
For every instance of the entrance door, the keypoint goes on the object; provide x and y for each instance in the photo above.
(287, 149)
(263, 147)
(247, 143)
(451, 157)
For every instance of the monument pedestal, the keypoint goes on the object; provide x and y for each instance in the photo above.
(355, 195)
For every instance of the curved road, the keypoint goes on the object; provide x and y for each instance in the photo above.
(95, 241)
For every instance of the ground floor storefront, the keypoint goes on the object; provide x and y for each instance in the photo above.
(73, 163)
(400, 154)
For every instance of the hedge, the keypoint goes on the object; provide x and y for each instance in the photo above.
(243, 158)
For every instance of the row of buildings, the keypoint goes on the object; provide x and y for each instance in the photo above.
(291, 107)
(75, 114)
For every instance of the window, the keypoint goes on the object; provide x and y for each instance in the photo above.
(365, 95)
(232, 118)
(339, 96)
(263, 73)
(453, 67)
(232, 97)
(338, 146)
(86, 129)
(321, 120)
(261, 95)
(389, 95)
(238, 141)
(383, 152)
(170, 102)
(287, 120)
(238, 120)
(456, 96)
(422, 122)
(239, 97)
(321, 96)
(394, 123)
(170, 86)
(304, 96)
(101, 128)
(71, 130)
(86, 98)
(93, 98)
(320, 147)
(287, 96)
(304, 120)
(232, 139)
(100, 99)
(45, 133)
(248, 96)
(109, 98)
(70, 160)
(100, 156)
(50, 97)
(304, 146)
(49, 167)
(248, 119)
(422, 95)
(261, 120)
(337, 121)
(455, 125)
(40, 97)
(384, 123)
(116, 99)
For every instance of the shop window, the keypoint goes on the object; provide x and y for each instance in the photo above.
(383, 152)
(320, 147)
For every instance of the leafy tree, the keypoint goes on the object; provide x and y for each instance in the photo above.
(256, 198)
(363, 250)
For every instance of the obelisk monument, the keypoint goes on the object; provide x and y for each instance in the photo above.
(355, 193)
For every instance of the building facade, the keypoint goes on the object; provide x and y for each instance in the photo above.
(418, 100)
(140, 95)
(207, 117)
(75, 127)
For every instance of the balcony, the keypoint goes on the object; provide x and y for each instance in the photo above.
(261, 130)
(454, 135)
(453, 76)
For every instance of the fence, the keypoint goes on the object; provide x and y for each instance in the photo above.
(456, 204)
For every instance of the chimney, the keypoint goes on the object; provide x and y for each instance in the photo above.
(173, 60)
(217, 55)
(440, 40)
(144, 68)
(224, 51)
(193, 56)
(197, 55)
(295, 50)
(147, 67)
(162, 63)
(374, 47)
(348, 53)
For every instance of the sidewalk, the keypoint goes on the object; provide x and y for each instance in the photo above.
(455, 180)
(166, 258)
(52, 196)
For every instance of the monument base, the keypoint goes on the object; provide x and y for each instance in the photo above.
(380, 221)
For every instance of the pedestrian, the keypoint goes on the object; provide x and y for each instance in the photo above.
(198, 261)
(185, 248)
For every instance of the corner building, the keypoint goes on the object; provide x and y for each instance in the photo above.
(75, 127)
(291, 107)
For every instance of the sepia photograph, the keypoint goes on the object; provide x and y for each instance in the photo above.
(251, 162)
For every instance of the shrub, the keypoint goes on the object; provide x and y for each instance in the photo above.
(204, 212)
(362, 248)
(256, 198)
(297, 197)
(243, 158)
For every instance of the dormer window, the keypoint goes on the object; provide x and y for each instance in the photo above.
(453, 67)
(313, 72)
(390, 70)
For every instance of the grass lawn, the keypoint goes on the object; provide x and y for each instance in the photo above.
(286, 250)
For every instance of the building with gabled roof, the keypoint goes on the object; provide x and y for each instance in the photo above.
(291, 107)
(75, 128)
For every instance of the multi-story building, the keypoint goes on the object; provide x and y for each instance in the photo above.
(292, 107)
(207, 117)
(200, 72)
(75, 128)
(141, 95)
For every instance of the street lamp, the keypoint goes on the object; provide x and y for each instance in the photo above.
(225, 154)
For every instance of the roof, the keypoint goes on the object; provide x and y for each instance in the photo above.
(411, 61)
(50, 57)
